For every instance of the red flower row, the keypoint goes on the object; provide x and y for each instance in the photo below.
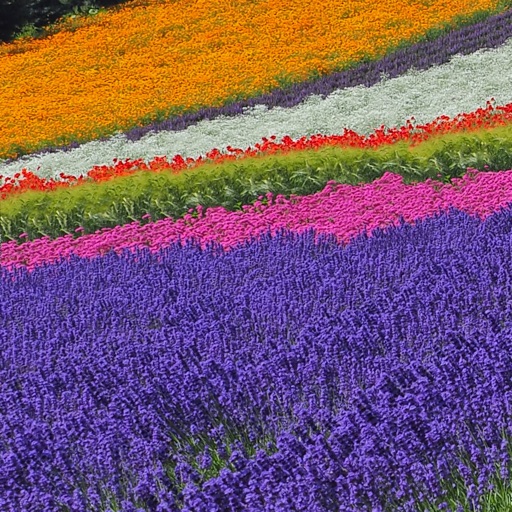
(488, 117)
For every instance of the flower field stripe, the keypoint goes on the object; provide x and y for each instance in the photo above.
(93, 206)
(134, 66)
(489, 117)
(464, 84)
(344, 211)
(489, 33)
(290, 370)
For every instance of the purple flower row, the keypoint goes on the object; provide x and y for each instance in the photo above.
(322, 377)
(490, 33)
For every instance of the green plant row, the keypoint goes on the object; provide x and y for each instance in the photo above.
(231, 184)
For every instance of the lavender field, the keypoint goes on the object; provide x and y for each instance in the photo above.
(338, 345)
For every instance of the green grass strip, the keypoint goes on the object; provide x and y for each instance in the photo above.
(235, 183)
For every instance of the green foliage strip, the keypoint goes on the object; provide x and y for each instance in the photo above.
(232, 184)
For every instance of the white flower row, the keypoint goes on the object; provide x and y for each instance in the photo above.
(461, 85)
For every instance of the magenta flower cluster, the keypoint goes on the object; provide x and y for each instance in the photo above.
(341, 210)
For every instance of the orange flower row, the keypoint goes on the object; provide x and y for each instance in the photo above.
(128, 65)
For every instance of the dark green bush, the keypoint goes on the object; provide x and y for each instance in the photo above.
(12, 18)
(30, 16)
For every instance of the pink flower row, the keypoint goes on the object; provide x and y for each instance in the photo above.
(342, 210)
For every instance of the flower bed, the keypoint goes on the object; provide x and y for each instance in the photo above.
(316, 324)
(126, 70)
(286, 371)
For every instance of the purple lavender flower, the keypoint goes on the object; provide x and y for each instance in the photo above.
(290, 373)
